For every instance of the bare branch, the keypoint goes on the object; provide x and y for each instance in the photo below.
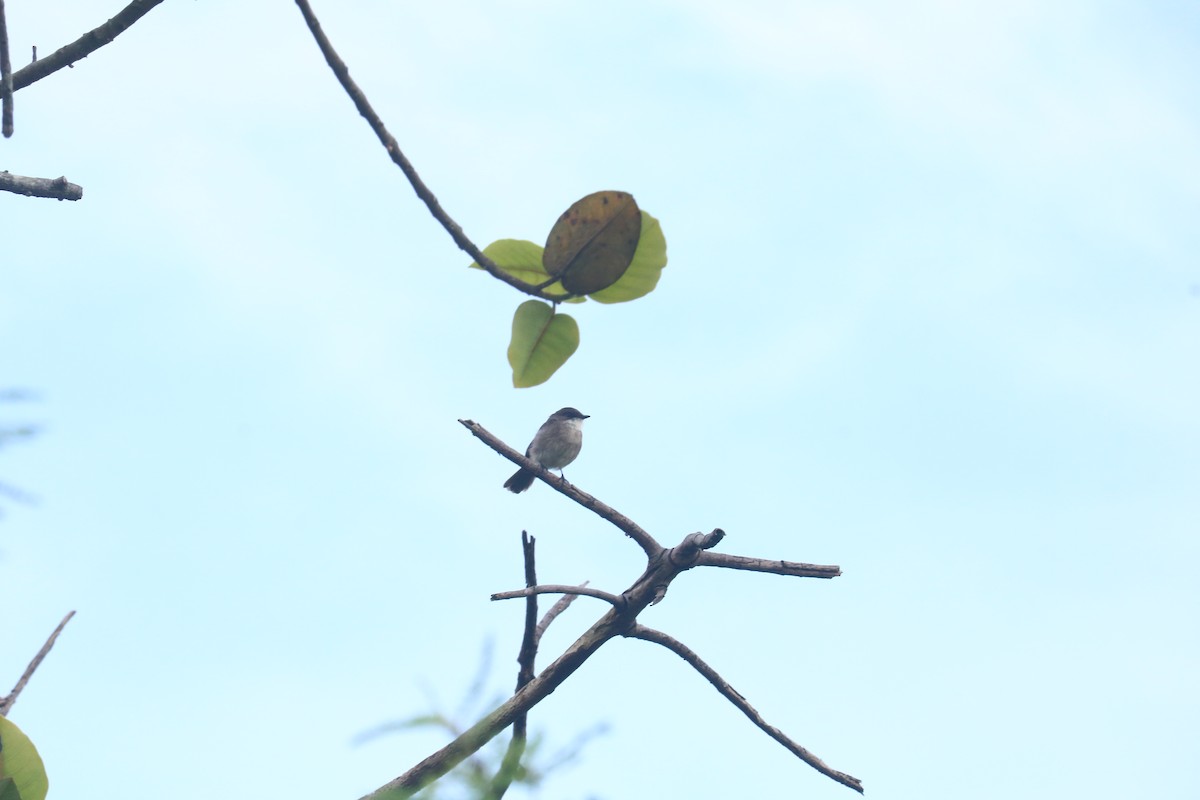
(558, 588)
(663, 566)
(511, 763)
(791, 568)
(647, 542)
(659, 573)
(528, 652)
(84, 46)
(342, 72)
(559, 607)
(6, 83)
(54, 188)
(732, 695)
(6, 703)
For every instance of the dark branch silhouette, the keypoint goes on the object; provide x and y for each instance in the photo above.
(663, 566)
(6, 83)
(6, 703)
(342, 72)
(84, 46)
(511, 763)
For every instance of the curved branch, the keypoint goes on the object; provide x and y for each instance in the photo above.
(85, 45)
(631, 529)
(712, 676)
(558, 588)
(342, 72)
(559, 607)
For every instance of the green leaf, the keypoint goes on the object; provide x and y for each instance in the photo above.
(20, 764)
(519, 258)
(643, 274)
(522, 260)
(542, 341)
(593, 242)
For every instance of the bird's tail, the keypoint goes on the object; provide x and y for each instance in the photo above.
(521, 480)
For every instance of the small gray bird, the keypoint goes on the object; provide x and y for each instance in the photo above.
(555, 445)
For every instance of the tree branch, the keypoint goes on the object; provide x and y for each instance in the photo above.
(732, 695)
(649, 586)
(342, 72)
(559, 607)
(558, 588)
(6, 83)
(511, 762)
(790, 568)
(663, 566)
(54, 188)
(528, 651)
(631, 529)
(84, 46)
(6, 703)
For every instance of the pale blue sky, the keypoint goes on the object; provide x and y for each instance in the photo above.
(932, 313)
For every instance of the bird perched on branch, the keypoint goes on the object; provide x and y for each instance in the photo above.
(555, 445)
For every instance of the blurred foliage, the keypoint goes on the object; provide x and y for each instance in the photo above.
(10, 433)
(473, 779)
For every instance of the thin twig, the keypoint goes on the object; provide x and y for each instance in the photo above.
(631, 529)
(54, 188)
(558, 588)
(774, 566)
(6, 83)
(559, 607)
(732, 695)
(342, 72)
(84, 46)
(7, 702)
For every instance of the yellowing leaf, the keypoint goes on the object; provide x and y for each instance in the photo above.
(522, 259)
(519, 258)
(542, 341)
(645, 269)
(592, 243)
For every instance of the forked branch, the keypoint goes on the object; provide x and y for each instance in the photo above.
(663, 566)
(641, 594)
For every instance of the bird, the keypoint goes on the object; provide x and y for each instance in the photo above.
(555, 445)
